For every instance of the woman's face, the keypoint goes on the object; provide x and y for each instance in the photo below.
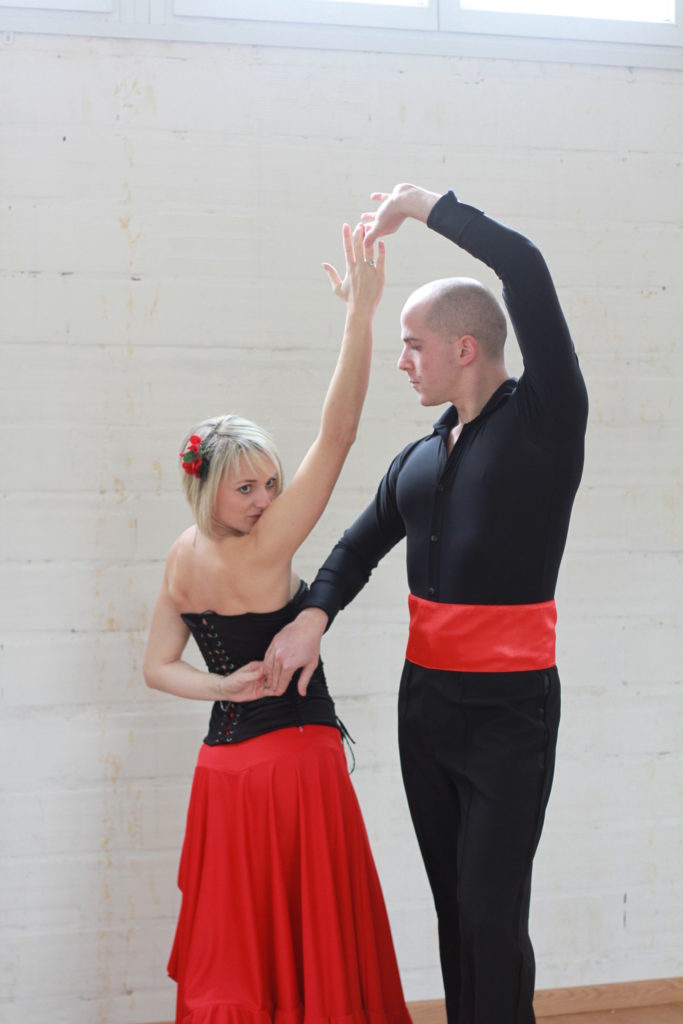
(245, 494)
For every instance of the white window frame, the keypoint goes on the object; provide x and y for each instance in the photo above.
(424, 16)
(441, 28)
(454, 18)
(62, 6)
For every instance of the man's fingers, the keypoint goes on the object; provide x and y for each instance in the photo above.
(284, 679)
(380, 196)
(305, 678)
(370, 236)
(274, 678)
(269, 665)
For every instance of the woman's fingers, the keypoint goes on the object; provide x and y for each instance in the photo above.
(358, 253)
(358, 242)
(347, 242)
(335, 279)
(252, 672)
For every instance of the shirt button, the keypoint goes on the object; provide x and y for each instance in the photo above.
(433, 538)
(430, 590)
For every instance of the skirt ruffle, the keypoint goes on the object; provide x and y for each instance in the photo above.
(282, 918)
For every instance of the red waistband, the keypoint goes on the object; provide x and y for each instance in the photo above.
(481, 637)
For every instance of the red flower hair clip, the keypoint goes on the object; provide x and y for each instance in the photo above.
(195, 462)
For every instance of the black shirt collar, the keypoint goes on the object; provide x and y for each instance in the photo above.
(449, 418)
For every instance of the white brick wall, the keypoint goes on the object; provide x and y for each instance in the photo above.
(165, 208)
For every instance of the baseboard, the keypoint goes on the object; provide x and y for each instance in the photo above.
(554, 1002)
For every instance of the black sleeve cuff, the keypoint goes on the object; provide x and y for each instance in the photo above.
(322, 595)
(451, 218)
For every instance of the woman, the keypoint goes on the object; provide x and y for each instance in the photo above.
(282, 916)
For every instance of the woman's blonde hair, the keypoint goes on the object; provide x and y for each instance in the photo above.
(225, 440)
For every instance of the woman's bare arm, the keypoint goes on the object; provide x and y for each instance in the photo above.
(165, 670)
(289, 520)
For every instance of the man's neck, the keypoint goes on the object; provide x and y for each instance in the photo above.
(476, 394)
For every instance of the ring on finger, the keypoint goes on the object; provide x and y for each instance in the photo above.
(370, 262)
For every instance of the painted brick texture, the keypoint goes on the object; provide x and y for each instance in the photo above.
(165, 209)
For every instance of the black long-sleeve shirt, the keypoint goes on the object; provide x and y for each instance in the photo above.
(487, 524)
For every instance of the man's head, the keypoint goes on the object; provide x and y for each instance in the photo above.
(453, 332)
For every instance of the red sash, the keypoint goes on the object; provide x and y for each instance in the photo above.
(481, 637)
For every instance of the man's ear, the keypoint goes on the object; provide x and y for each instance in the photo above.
(467, 349)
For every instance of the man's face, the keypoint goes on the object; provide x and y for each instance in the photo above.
(429, 361)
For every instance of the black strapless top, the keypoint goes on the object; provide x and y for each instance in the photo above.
(229, 641)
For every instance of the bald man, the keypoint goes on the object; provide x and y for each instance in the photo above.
(484, 504)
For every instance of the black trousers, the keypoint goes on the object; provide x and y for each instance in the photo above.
(477, 756)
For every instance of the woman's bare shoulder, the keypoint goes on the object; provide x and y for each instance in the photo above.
(178, 563)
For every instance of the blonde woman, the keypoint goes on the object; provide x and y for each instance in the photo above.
(282, 916)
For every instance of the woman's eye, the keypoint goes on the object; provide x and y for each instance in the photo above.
(245, 488)
(272, 482)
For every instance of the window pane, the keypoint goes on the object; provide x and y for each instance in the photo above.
(662, 11)
(386, 3)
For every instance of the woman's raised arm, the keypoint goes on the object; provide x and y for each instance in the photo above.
(289, 520)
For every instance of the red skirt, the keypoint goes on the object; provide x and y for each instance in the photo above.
(282, 917)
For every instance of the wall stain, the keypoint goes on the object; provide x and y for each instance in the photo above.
(155, 303)
(120, 488)
(156, 466)
(129, 152)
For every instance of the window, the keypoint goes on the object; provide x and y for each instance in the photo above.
(622, 32)
(663, 11)
(655, 22)
(89, 6)
(401, 14)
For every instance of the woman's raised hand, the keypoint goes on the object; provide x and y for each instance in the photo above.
(364, 277)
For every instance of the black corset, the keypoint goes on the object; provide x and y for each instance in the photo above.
(229, 641)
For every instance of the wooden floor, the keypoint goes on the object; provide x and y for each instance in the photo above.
(659, 1001)
(669, 1014)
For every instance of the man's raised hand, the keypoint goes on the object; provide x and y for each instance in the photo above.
(402, 202)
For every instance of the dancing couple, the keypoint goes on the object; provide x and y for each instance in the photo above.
(282, 916)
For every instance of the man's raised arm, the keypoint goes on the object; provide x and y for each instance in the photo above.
(552, 385)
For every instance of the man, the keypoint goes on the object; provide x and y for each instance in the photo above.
(484, 503)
